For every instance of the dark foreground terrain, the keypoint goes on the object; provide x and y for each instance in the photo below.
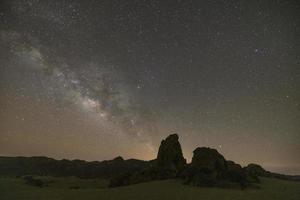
(74, 188)
(208, 176)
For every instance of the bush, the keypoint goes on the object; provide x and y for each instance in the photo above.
(33, 181)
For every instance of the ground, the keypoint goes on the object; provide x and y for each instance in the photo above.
(73, 188)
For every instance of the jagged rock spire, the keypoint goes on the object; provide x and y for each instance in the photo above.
(170, 153)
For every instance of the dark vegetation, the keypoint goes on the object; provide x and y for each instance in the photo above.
(33, 181)
(208, 168)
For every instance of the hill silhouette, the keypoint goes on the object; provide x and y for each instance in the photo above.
(43, 166)
(208, 168)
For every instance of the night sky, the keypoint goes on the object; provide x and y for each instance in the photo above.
(94, 80)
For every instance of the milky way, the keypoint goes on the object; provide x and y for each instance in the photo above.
(98, 79)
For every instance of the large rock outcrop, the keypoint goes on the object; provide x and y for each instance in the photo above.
(209, 159)
(169, 164)
(207, 168)
(170, 154)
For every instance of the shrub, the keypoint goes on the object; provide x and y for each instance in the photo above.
(33, 181)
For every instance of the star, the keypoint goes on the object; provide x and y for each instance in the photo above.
(125, 75)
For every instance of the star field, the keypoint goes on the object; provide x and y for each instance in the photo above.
(96, 79)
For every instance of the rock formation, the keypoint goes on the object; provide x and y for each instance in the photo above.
(169, 164)
(257, 170)
(170, 154)
(207, 168)
(209, 159)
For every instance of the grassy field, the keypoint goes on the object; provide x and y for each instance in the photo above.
(60, 188)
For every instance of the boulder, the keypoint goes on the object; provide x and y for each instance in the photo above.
(209, 159)
(207, 168)
(256, 170)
